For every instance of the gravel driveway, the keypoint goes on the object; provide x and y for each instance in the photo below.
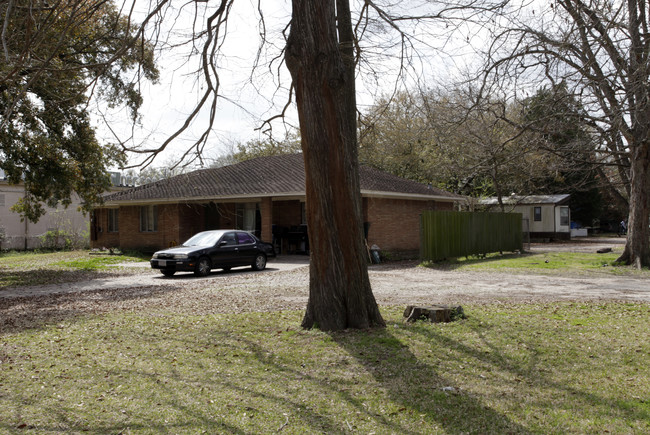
(284, 285)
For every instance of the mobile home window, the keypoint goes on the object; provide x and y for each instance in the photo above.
(564, 216)
(149, 218)
(113, 226)
(537, 213)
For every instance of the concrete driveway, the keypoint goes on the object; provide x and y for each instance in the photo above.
(150, 277)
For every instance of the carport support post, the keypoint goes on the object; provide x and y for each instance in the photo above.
(266, 212)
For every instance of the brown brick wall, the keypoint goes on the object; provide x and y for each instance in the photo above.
(130, 236)
(191, 220)
(444, 206)
(395, 223)
(266, 211)
(287, 213)
(104, 238)
(176, 223)
(227, 216)
(169, 225)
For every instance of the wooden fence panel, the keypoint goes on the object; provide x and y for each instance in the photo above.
(450, 234)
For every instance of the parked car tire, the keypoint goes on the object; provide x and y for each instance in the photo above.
(203, 267)
(168, 272)
(260, 262)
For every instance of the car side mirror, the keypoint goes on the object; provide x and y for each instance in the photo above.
(223, 243)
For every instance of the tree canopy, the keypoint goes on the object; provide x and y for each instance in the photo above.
(600, 50)
(482, 147)
(55, 57)
(270, 146)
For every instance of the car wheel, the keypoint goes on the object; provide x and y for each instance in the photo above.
(260, 262)
(203, 267)
(168, 272)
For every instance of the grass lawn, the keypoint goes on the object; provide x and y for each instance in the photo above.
(34, 268)
(528, 368)
(543, 262)
(555, 368)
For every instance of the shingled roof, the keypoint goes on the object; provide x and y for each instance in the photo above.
(282, 175)
(527, 200)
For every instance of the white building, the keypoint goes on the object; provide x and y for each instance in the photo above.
(16, 233)
(548, 216)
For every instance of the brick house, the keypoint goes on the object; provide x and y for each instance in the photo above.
(265, 196)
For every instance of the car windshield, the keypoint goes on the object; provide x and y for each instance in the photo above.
(208, 238)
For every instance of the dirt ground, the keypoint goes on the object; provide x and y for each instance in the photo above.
(284, 285)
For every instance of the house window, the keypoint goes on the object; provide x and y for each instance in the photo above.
(246, 216)
(537, 214)
(149, 218)
(564, 216)
(113, 226)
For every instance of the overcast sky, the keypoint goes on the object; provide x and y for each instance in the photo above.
(168, 103)
(248, 102)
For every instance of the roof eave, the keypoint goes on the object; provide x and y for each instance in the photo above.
(282, 195)
(254, 197)
(417, 196)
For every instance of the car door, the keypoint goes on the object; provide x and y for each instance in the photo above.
(247, 248)
(226, 252)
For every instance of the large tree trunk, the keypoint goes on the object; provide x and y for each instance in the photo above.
(322, 70)
(637, 247)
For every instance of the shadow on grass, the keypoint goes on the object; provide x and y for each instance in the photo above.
(17, 278)
(529, 375)
(421, 388)
(22, 313)
(262, 394)
(160, 373)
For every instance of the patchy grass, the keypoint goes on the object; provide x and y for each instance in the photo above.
(549, 262)
(36, 268)
(527, 368)
(507, 368)
(94, 262)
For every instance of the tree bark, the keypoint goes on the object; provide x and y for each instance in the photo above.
(637, 246)
(319, 56)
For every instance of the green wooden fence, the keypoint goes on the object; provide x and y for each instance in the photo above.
(450, 234)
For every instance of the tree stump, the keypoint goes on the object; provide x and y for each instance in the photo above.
(434, 314)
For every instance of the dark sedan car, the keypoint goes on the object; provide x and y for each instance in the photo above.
(219, 249)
